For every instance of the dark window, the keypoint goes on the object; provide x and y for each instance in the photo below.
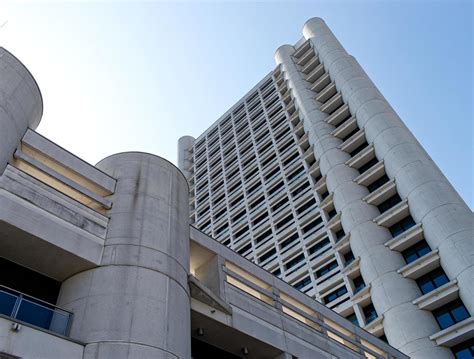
(359, 284)
(402, 226)
(244, 249)
(236, 201)
(384, 338)
(280, 204)
(450, 314)
(378, 183)
(340, 233)
(324, 195)
(432, 280)
(358, 149)
(241, 232)
(346, 137)
(277, 272)
(302, 283)
(276, 188)
(289, 240)
(257, 202)
(263, 236)
(305, 206)
(370, 313)
(389, 203)
(272, 173)
(300, 189)
(334, 295)
(260, 218)
(290, 159)
(464, 350)
(291, 263)
(326, 269)
(332, 213)
(353, 319)
(319, 245)
(312, 225)
(369, 164)
(349, 258)
(226, 242)
(267, 255)
(284, 222)
(416, 251)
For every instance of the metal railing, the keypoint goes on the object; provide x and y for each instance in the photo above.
(30, 310)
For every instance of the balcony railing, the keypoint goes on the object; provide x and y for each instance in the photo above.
(30, 310)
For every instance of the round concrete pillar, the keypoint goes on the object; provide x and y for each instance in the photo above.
(136, 304)
(21, 105)
(447, 220)
(391, 293)
(185, 157)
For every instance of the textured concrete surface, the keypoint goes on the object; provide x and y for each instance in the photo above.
(136, 303)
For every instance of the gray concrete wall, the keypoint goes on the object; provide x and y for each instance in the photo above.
(406, 327)
(21, 105)
(447, 220)
(136, 304)
(30, 343)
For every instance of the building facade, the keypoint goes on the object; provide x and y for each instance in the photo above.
(314, 177)
(101, 262)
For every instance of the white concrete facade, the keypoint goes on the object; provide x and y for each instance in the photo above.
(382, 201)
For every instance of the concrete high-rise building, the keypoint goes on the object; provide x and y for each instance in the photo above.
(100, 262)
(314, 177)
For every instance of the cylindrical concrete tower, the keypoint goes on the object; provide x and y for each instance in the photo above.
(185, 159)
(21, 104)
(407, 327)
(447, 220)
(137, 303)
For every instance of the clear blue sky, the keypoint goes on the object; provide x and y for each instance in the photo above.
(119, 76)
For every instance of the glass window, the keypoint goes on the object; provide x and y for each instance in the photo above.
(353, 319)
(402, 226)
(359, 284)
(432, 280)
(450, 314)
(416, 251)
(464, 350)
(370, 313)
(389, 203)
(336, 294)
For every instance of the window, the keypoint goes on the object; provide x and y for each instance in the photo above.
(370, 313)
(289, 240)
(359, 284)
(464, 350)
(324, 195)
(306, 206)
(267, 255)
(377, 183)
(302, 283)
(402, 226)
(349, 258)
(389, 203)
(312, 225)
(369, 164)
(358, 149)
(450, 314)
(326, 269)
(300, 189)
(318, 246)
(340, 233)
(332, 213)
(334, 295)
(416, 251)
(349, 135)
(277, 272)
(284, 222)
(263, 236)
(353, 319)
(432, 280)
(291, 263)
(244, 249)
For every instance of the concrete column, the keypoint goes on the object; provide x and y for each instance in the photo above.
(185, 157)
(446, 218)
(21, 105)
(137, 303)
(406, 327)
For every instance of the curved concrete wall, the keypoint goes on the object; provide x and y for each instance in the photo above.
(21, 104)
(406, 327)
(137, 303)
(185, 157)
(446, 218)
